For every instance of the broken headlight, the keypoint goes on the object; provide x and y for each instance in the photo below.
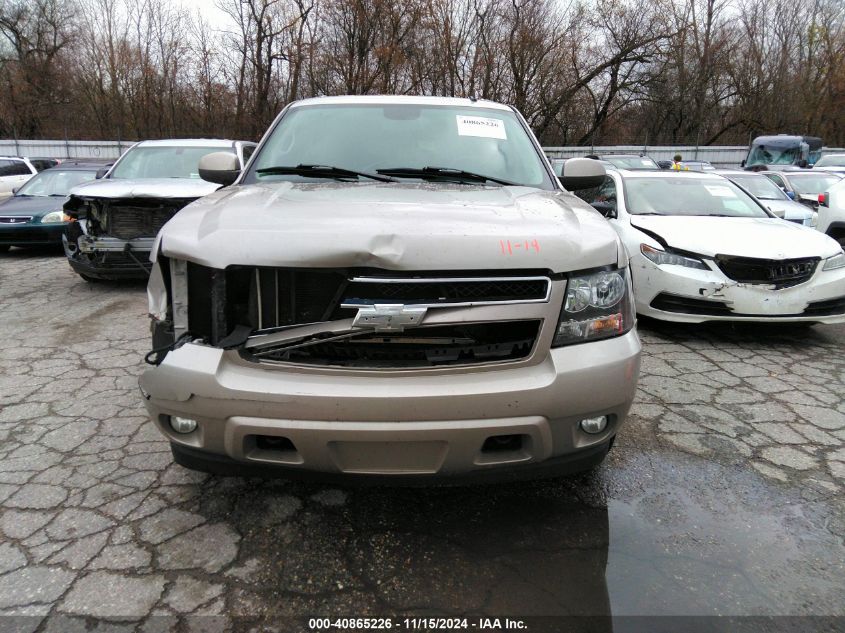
(659, 256)
(596, 306)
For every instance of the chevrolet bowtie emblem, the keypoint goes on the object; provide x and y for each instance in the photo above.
(388, 317)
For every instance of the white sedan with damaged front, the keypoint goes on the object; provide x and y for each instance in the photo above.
(702, 249)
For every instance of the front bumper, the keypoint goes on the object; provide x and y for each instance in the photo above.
(108, 257)
(407, 423)
(693, 290)
(32, 234)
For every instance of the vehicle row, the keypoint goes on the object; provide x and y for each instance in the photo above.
(404, 287)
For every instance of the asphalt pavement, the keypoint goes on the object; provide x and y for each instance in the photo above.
(724, 495)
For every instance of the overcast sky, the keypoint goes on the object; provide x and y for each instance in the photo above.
(209, 11)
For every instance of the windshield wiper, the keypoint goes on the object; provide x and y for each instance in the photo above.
(720, 215)
(320, 171)
(446, 173)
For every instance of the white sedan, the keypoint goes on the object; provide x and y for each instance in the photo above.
(702, 249)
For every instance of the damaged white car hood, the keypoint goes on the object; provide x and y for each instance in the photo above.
(145, 188)
(765, 238)
(393, 226)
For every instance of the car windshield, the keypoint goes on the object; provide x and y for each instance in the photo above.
(161, 161)
(367, 138)
(832, 160)
(760, 187)
(681, 195)
(55, 182)
(631, 162)
(762, 155)
(812, 184)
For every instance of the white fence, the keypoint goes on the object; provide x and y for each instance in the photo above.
(100, 150)
(722, 156)
(718, 155)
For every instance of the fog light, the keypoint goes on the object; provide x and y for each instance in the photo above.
(594, 425)
(182, 425)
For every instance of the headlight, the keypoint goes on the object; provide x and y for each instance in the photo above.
(54, 217)
(837, 261)
(596, 306)
(812, 220)
(659, 257)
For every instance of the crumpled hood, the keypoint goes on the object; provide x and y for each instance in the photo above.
(145, 188)
(767, 238)
(31, 205)
(392, 226)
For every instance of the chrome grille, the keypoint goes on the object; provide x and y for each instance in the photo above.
(15, 219)
(282, 297)
(447, 291)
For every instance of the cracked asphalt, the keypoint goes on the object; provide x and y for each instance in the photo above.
(722, 496)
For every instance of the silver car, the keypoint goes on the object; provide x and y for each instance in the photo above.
(395, 287)
(771, 196)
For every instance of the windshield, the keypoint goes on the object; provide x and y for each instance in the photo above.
(760, 187)
(832, 160)
(161, 162)
(367, 138)
(631, 162)
(55, 182)
(689, 196)
(762, 155)
(812, 184)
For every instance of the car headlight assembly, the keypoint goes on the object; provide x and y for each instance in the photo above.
(659, 257)
(837, 261)
(54, 217)
(812, 220)
(596, 306)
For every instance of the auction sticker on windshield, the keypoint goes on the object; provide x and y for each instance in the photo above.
(721, 192)
(481, 126)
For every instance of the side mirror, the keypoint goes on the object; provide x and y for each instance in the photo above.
(220, 167)
(101, 172)
(742, 164)
(582, 173)
(15, 190)
(790, 194)
(606, 208)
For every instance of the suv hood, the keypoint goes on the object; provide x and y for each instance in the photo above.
(145, 188)
(766, 238)
(392, 226)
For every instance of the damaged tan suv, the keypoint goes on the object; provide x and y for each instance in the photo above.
(393, 286)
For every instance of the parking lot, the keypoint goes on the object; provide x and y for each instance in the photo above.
(722, 496)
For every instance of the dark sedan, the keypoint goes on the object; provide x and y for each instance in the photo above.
(33, 216)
